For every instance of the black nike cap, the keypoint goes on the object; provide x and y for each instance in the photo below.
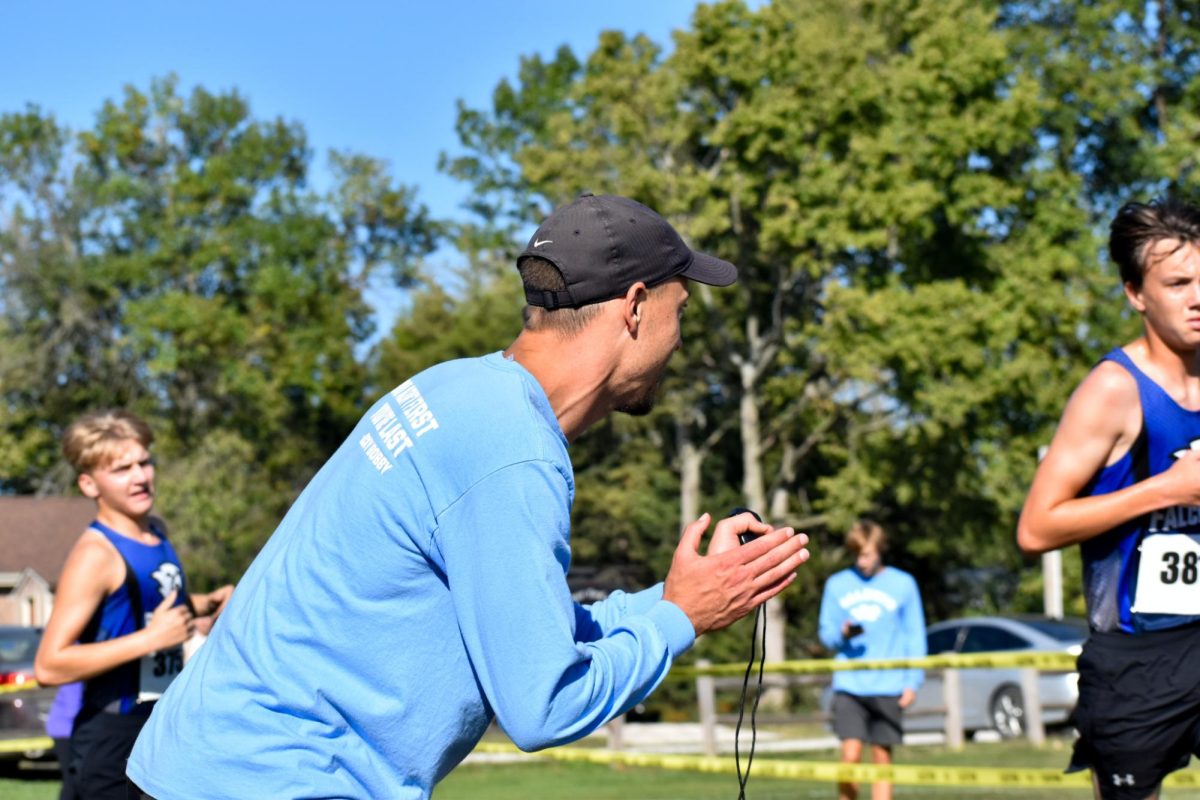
(604, 244)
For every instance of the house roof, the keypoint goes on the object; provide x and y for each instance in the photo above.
(38, 532)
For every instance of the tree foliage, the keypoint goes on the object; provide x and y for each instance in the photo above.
(916, 193)
(171, 259)
(917, 228)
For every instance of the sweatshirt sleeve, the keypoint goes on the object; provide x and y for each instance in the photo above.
(829, 625)
(505, 547)
(595, 620)
(914, 634)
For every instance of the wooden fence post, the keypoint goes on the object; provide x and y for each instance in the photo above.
(706, 696)
(1031, 697)
(952, 698)
(616, 733)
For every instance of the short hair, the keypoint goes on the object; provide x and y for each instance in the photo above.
(92, 440)
(1138, 226)
(864, 532)
(538, 274)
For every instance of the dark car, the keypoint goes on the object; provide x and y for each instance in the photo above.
(23, 712)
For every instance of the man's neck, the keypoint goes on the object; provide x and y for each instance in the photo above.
(573, 372)
(137, 528)
(1176, 371)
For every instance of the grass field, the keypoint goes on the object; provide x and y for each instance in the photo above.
(519, 781)
(20, 783)
(591, 782)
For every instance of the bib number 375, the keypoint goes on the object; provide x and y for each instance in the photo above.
(1168, 575)
(157, 670)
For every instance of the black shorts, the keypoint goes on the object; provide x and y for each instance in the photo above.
(134, 792)
(877, 720)
(1138, 714)
(62, 752)
(100, 747)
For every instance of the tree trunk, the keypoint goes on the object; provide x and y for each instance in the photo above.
(691, 458)
(754, 492)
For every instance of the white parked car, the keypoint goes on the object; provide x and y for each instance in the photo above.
(992, 697)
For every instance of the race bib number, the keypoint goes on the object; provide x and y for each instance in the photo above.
(1169, 575)
(158, 669)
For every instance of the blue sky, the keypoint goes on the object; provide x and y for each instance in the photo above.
(373, 77)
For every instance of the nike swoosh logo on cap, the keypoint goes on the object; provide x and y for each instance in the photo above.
(540, 242)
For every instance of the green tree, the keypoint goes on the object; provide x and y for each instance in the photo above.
(465, 312)
(917, 274)
(172, 259)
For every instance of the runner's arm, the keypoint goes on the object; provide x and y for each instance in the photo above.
(1102, 418)
(829, 621)
(90, 571)
(912, 619)
(211, 604)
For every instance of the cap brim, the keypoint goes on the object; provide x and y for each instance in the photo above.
(710, 269)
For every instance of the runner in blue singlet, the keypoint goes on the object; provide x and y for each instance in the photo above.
(122, 610)
(1122, 479)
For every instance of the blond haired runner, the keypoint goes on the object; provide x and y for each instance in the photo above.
(122, 609)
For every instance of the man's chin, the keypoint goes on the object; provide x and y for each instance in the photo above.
(640, 406)
(637, 409)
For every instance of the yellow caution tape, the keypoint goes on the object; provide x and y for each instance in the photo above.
(26, 745)
(1050, 662)
(27, 686)
(1053, 661)
(832, 772)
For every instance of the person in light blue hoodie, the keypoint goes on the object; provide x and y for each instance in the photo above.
(416, 591)
(872, 611)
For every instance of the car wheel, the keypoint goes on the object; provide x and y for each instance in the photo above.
(1008, 712)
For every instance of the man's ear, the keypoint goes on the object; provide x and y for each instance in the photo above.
(1135, 297)
(88, 486)
(631, 306)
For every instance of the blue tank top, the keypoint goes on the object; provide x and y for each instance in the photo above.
(151, 573)
(1111, 561)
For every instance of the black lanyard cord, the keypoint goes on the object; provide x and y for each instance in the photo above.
(737, 736)
(759, 613)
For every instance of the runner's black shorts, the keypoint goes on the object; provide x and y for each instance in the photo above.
(877, 720)
(1138, 714)
(100, 747)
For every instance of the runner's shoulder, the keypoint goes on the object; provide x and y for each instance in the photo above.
(1110, 387)
(94, 551)
(93, 560)
(1105, 407)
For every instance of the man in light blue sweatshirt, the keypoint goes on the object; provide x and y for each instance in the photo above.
(872, 611)
(417, 588)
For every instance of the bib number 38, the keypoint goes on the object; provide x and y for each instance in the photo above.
(1168, 575)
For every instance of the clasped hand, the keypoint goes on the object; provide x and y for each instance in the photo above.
(732, 579)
